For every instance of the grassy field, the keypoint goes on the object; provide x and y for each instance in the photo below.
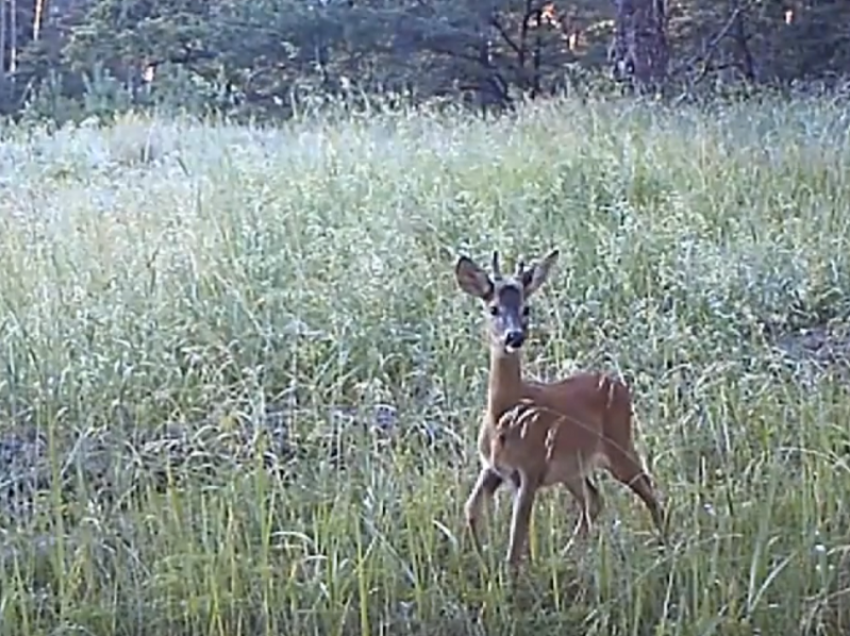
(240, 389)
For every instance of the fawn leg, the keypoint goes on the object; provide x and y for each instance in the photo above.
(595, 501)
(485, 487)
(520, 518)
(515, 482)
(629, 471)
(589, 499)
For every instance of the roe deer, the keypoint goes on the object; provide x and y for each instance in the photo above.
(537, 434)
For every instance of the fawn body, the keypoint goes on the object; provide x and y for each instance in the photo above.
(537, 434)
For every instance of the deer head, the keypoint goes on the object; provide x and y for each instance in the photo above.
(505, 297)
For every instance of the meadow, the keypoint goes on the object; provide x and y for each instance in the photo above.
(240, 388)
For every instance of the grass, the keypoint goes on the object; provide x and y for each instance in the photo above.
(240, 389)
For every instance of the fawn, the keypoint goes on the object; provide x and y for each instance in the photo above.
(538, 434)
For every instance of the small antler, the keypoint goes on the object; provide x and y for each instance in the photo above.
(496, 271)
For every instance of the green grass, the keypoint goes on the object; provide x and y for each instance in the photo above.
(240, 388)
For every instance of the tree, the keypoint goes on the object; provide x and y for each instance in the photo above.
(640, 51)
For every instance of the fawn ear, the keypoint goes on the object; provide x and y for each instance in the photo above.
(472, 279)
(536, 275)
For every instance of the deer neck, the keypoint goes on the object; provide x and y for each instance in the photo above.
(505, 388)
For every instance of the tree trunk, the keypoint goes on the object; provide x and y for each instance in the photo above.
(38, 16)
(745, 56)
(13, 39)
(4, 87)
(2, 41)
(640, 52)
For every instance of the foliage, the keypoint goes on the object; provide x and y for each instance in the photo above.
(240, 387)
(273, 58)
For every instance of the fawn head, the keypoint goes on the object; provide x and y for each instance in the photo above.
(505, 297)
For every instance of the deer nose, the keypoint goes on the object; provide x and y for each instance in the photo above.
(514, 338)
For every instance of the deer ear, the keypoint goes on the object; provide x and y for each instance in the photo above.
(536, 275)
(472, 279)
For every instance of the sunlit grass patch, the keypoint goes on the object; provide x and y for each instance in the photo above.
(240, 390)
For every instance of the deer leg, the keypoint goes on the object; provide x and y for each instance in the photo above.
(589, 499)
(628, 470)
(595, 501)
(520, 519)
(485, 487)
(516, 479)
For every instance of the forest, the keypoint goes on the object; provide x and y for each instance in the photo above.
(269, 58)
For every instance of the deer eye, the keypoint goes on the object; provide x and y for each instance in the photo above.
(526, 310)
(494, 310)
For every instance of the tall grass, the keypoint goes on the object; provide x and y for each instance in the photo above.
(240, 389)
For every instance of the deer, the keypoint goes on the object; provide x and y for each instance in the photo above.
(537, 434)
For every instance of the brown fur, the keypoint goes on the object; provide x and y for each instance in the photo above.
(539, 434)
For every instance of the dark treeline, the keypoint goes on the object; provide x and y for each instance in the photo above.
(70, 58)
